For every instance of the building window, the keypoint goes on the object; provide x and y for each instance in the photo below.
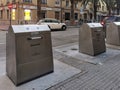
(85, 16)
(1, 14)
(102, 8)
(76, 4)
(43, 1)
(13, 1)
(76, 16)
(57, 15)
(91, 16)
(7, 14)
(43, 14)
(8, 1)
(57, 2)
(30, 1)
(67, 3)
(67, 16)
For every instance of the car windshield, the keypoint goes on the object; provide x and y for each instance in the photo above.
(49, 21)
(110, 19)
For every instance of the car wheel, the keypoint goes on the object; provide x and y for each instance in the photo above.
(64, 27)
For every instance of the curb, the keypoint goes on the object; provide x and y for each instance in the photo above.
(3, 30)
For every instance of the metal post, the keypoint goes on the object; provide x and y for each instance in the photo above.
(10, 16)
(10, 6)
(95, 9)
(18, 11)
(61, 12)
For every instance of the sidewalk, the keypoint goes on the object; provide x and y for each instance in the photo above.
(93, 77)
(72, 74)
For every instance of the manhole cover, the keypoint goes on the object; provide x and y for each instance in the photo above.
(64, 51)
(74, 49)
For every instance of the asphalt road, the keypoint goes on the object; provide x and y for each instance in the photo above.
(64, 37)
(58, 38)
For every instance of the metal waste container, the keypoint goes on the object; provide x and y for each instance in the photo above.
(91, 39)
(113, 33)
(28, 52)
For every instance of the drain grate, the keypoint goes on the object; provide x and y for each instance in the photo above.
(64, 51)
(74, 49)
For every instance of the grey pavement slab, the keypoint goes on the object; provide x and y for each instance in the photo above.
(2, 66)
(99, 77)
(2, 37)
(72, 50)
(113, 46)
(61, 72)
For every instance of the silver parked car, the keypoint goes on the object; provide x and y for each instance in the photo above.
(53, 24)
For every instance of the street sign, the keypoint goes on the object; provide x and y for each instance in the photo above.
(13, 14)
(10, 6)
(27, 15)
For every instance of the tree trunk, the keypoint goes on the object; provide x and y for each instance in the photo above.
(118, 6)
(109, 10)
(95, 9)
(72, 11)
(38, 10)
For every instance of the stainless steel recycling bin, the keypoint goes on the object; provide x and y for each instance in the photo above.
(113, 33)
(91, 39)
(28, 52)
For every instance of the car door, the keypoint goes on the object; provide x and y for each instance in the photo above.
(57, 24)
(49, 23)
(53, 24)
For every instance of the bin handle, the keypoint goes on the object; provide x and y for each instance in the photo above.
(34, 38)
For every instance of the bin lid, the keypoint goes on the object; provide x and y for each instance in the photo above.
(93, 25)
(29, 28)
(117, 23)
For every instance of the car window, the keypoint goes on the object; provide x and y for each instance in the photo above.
(42, 20)
(47, 21)
(54, 21)
(111, 18)
(117, 19)
(51, 21)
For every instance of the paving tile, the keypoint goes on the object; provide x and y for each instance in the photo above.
(61, 72)
(97, 77)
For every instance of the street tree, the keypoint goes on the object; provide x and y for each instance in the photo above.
(118, 6)
(110, 5)
(38, 10)
(95, 5)
(72, 10)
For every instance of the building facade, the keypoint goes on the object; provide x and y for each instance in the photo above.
(25, 11)
(18, 11)
(87, 10)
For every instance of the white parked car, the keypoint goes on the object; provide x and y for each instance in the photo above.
(52, 23)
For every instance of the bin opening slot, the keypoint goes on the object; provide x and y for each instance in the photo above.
(35, 44)
(34, 38)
